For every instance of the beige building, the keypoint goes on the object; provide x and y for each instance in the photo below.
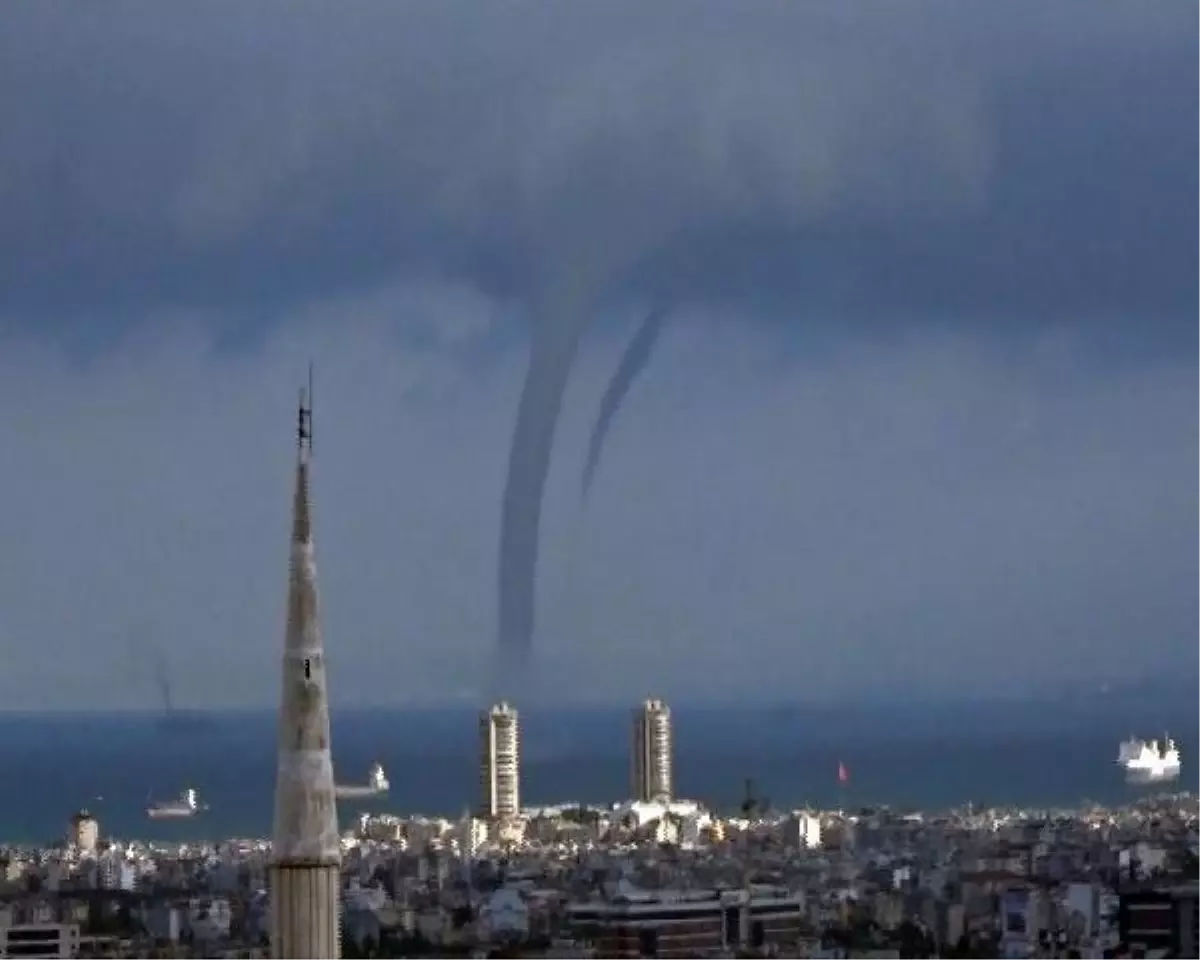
(84, 833)
(652, 753)
(500, 762)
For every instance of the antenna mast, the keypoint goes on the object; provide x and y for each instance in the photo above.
(304, 421)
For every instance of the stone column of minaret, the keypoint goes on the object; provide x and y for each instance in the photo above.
(306, 853)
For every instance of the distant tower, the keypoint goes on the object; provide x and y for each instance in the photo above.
(306, 854)
(652, 752)
(500, 762)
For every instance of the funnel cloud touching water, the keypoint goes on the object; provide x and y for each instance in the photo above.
(556, 340)
(557, 330)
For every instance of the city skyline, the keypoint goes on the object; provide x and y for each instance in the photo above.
(924, 425)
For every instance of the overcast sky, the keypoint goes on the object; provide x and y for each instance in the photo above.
(923, 415)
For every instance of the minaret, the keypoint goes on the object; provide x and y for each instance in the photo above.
(306, 854)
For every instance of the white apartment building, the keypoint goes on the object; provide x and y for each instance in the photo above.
(500, 762)
(652, 753)
(84, 833)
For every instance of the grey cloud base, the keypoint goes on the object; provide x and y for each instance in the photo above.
(1022, 164)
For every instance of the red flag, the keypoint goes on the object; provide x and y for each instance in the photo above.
(843, 773)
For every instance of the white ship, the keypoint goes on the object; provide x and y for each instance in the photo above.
(376, 786)
(188, 805)
(1149, 761)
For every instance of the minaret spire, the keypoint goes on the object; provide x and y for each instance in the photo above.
(306, 852)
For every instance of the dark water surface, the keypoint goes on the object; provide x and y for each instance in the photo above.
(1016, 752)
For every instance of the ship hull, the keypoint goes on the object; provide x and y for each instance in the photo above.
(170, 814)
(357, 793)
(1143, 778)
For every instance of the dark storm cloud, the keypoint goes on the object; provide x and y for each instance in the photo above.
(390, 187)
(1035, 162)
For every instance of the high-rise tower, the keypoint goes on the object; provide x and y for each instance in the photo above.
(652, 752)
(306, 854)
(500, 762)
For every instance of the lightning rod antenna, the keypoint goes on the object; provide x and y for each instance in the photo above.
(304, 416)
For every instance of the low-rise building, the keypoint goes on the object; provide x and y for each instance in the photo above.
(687, 923)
